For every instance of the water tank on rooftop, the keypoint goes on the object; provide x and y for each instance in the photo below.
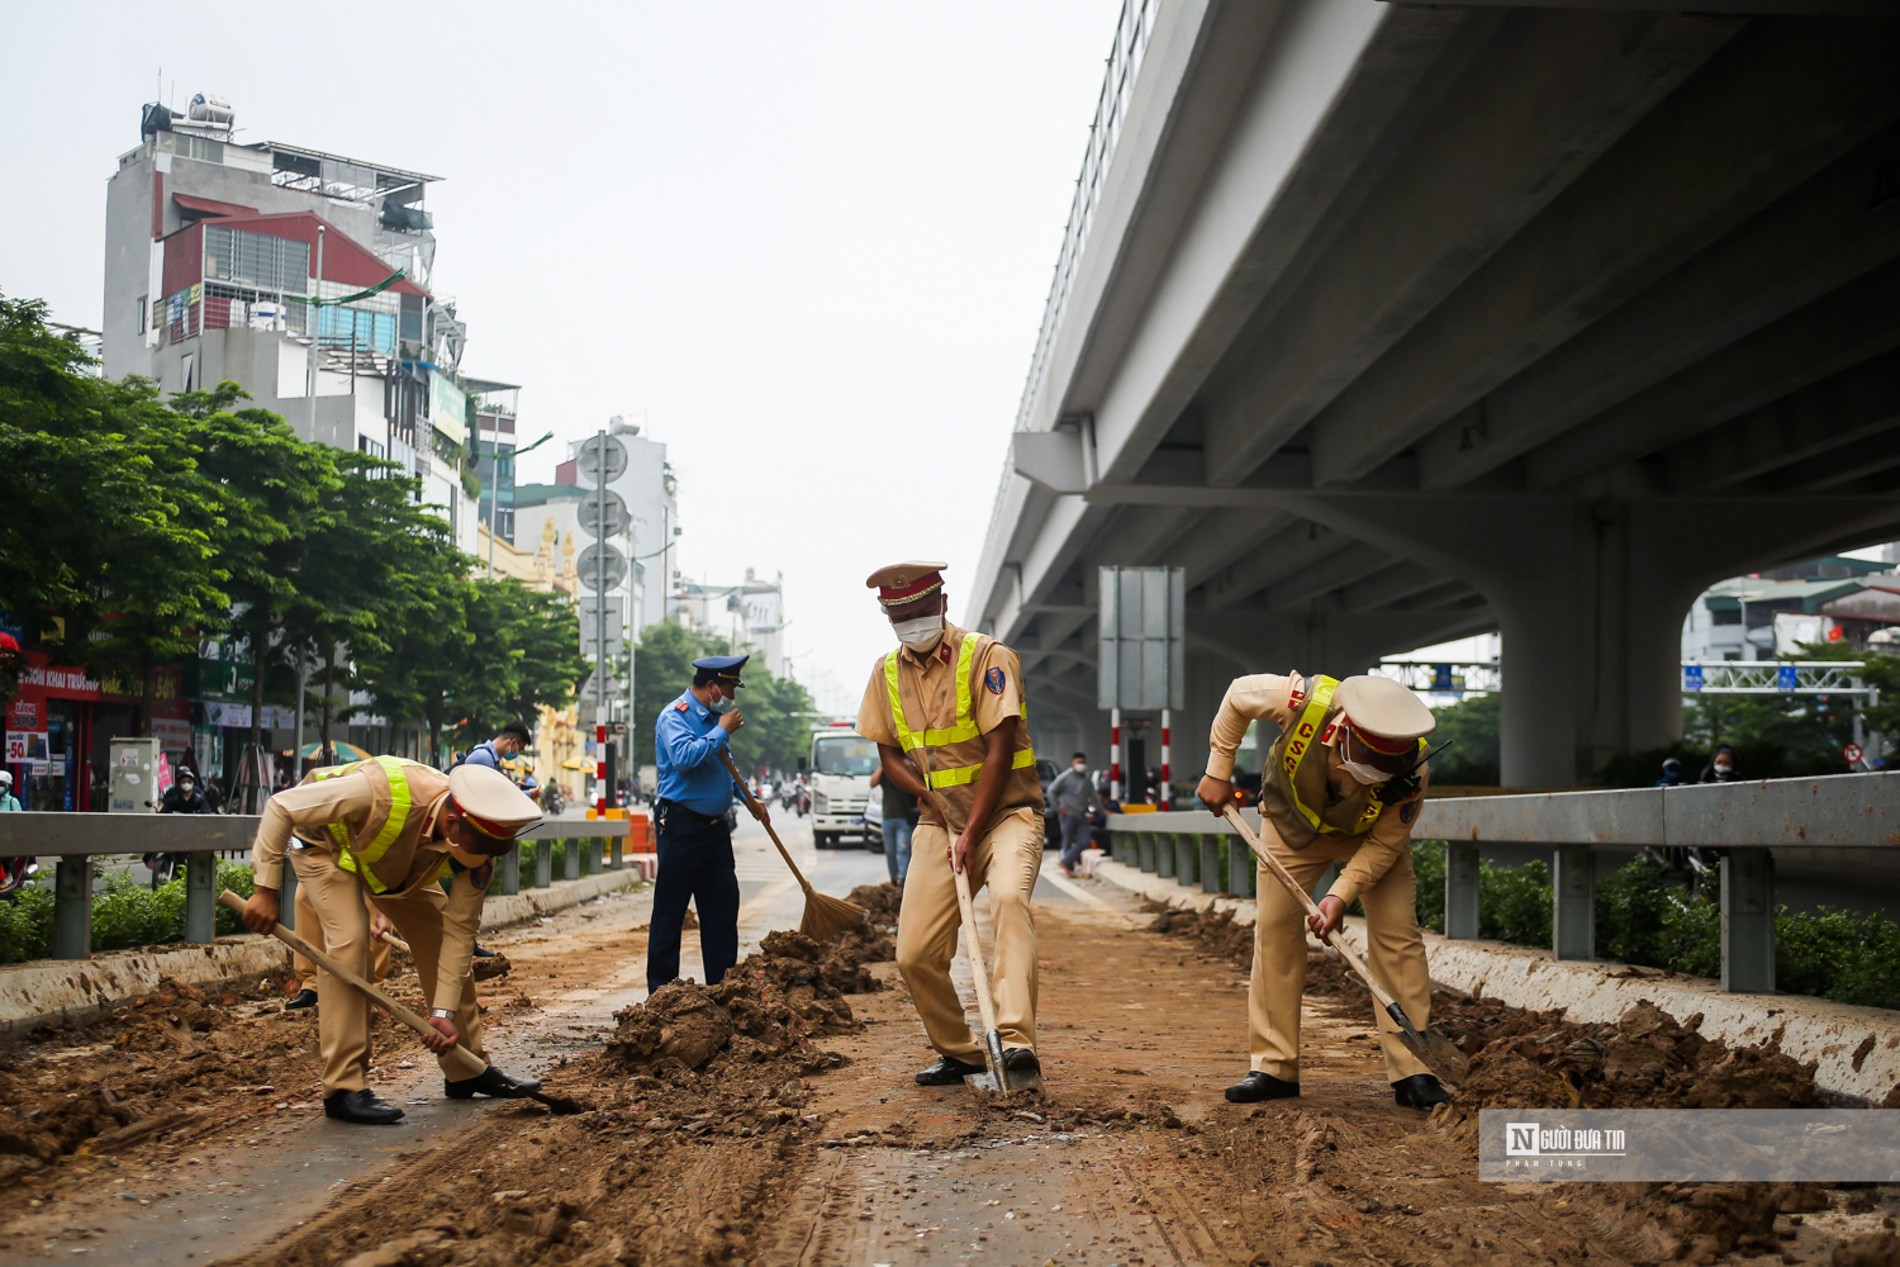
(205, 108)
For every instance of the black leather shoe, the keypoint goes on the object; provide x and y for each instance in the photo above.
(361, 1107)
(1420, 1091)
(1257, 1086)
(302, 999)
(483, 952)
(490, 1081)
(947, 1072)
(1021, 1068)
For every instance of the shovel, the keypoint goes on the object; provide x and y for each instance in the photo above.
(996, 1080)
(1429, 1045)
(467, 1064)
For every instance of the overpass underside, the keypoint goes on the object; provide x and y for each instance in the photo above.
(1399, 322)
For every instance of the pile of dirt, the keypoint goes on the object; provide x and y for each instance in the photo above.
(881, 902)
(766, 1009)
(1645, 1060)
(154, 1067)
(699, 1094)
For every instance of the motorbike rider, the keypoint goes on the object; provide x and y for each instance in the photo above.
(13, 871)
(182, 797)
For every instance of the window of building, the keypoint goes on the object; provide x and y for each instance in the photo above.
(145, 308)
(268, 263)
(372, 447)
(1729, 616)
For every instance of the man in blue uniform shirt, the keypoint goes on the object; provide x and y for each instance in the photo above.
(695, 845)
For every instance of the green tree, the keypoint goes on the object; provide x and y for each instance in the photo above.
(276, 487)
(1472, 726)
(108, 550)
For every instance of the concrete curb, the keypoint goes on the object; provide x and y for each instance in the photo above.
(1855, 1050)
(57, 991)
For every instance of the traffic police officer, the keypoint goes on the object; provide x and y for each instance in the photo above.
(395, 828)
(1342, 784)
(952, 700)
(695, 843)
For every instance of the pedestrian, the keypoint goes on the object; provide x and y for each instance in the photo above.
(900, 821)
(953, 700)
(1721, 767)
(1671, 774)
(9, 803)
(1342, 784)
(393, 827)
(1076, 800)
(694, 839)
(505, 746)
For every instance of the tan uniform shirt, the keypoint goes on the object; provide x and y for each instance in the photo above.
(1268, 697)
(305, 810)
(930, 680)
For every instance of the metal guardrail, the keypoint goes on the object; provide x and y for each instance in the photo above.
(76, 839)
(1852, 811)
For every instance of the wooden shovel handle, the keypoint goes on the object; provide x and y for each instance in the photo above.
(752, 804)
(470, 1065)
(1306, 901)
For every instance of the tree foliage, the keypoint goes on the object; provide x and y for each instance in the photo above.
(778, 711)
(136, 527)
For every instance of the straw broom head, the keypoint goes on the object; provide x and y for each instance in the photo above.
(829, 918)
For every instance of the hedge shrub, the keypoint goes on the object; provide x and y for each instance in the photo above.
(1642, 919)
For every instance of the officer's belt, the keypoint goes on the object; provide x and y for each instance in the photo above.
(674, 807)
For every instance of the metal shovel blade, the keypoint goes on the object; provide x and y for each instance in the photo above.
(994, 1079)
(1433, 1048)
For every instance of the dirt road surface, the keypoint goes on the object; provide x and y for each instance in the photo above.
(774, 1120)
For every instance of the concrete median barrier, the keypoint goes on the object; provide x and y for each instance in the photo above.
(64, 991)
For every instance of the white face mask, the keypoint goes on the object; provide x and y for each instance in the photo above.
(1366, 774)
(1079, 768)
(920, 634)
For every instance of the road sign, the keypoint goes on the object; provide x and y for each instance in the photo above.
(615, 688)
(1787, 677)
(1691, 677)
(588, 566)
(590, 605)
(590, 642)
(597, 449)
(1142, 660)
(592, 510)
(1851, 753)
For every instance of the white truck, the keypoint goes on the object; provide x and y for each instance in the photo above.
(840, 768)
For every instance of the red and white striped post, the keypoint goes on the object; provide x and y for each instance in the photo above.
(1167, 766)
(1114, 754)
(600, 769)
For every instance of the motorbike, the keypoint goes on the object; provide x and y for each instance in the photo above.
(14, 874)
(551, 802)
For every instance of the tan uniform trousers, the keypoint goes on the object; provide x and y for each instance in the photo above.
(1395, 952)
(1007, 860)
(310, 928)
(336, 897)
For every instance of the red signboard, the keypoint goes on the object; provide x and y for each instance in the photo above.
(26, 714)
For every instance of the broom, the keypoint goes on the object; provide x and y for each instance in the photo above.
(826, 918)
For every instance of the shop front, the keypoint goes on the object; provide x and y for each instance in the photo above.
(60, 728)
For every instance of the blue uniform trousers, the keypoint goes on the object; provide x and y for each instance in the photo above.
(695, 866)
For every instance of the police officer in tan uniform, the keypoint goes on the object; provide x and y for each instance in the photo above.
(951, 701)
(1342, 784)
(393, 828)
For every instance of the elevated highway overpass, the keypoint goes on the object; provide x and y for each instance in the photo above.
(1394, 322)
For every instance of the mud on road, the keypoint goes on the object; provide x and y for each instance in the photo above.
(772, 1119)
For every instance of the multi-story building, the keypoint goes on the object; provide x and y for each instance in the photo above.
(1770, 615)
(495, 408)
(214, 249)
(750, 615)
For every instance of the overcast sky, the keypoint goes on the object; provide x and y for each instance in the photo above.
(807, 243)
